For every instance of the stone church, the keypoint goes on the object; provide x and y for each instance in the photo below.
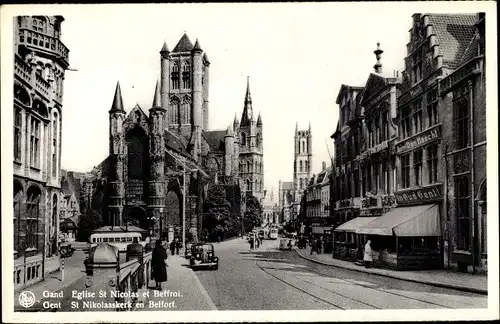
(165, 156)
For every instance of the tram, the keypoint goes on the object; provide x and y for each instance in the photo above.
(273, 233)
(120, 239)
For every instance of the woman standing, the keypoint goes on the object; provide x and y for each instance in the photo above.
(158, 264)
(368, 257)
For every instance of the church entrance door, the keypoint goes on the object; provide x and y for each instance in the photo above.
(138, 217)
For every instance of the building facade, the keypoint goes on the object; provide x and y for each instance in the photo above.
(348, 138)
(40, 62)
(302, 163)
(463, 98)
(317, 202)
(286, 193)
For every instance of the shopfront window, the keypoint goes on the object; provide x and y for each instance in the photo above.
(432, 162)
(462, 210)
(405, 170)
(417, 162)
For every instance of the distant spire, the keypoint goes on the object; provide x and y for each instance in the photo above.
(248, 96)
(259, 120)
(309, 127)
(157, 97)
(296, 128)
(117, 100)
(205, 57)
(378, 54)
(164, 49)
(229, 131)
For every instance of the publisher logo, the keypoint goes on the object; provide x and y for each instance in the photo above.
(27, 299)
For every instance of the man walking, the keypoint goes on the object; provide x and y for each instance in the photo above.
(368, 257)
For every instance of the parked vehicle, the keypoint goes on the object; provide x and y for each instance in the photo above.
(187, 253)
(66, 251)
(203, 255)
(286, 244)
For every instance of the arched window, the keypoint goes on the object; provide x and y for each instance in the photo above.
(186, 111)
(32, 217)
(259, 139)
(174, 111)
(241, 167)
(175, 76)
(301, 166)
(186, 75)
(40, 24)
(249, 167)
(249, 185)
(18, 199)
(243, 139)
(303, 146)
(35, 134)
(18, 121)
(55, 137)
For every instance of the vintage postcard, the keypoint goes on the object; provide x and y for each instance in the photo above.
(249, 162)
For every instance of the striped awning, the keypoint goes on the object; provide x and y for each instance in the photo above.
(352, 225)
(413, 221)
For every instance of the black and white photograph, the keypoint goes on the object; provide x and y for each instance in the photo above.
(297, 161)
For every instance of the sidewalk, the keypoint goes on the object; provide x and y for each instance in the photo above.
(52, 283)
(182, 291)
(439, 278)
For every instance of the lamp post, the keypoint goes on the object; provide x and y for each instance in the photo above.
(183, 206)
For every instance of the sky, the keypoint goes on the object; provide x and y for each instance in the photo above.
(297, 56)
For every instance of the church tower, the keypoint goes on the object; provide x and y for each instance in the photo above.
(117, 153)
(157, 126)
(251, 152)
(302, 164)
(184, 91)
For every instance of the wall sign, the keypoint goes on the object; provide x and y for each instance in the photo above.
(422, 139)
(420, 195)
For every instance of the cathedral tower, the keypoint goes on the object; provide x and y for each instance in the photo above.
(157, 126)
(302, 159)
(117, 154)
(251, 149)
(184, 91)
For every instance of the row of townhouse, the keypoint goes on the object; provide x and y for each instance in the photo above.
(410, 153)
(316, 218)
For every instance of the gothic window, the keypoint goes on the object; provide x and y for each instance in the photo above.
(249, 185)
(175, 76)
(301, 167)
(57, 29)
(303, 150)
(186, 75)
(241, 167)
(54, 145)
(243, 139)
(432, 162)
(35, 142)
(135, 158)
(18, 195)
(417, 166)
(32, 217)
(259, 139)
(18, 119)
(186, 111)
(405, 170)
(432, 108)
(249, 167)
(174, 111)
(461, 116)
(462, 209)
(417, 67)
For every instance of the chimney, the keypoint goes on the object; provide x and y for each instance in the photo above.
(323, 166)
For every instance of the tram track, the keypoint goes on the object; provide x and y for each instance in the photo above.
(339, 294)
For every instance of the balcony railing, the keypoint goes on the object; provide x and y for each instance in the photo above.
(42, 86)
(22, 69)
(40, 41)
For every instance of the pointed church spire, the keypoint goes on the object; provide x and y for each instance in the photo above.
(157, 96)
(296, 128)
(309, 127)
(197, 47)
(117, 100)
(259, 120)
(248, 96)
(229, 131)
(164, 49)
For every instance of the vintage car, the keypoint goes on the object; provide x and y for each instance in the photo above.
(203, 255)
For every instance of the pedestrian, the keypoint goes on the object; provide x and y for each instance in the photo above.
(319, 246)
(368, 257)
(172, 247)
(178, 245)
(313, 247)
(158, 265)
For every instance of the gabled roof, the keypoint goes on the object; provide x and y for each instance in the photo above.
(375, 84)
(343, 89)
(184, 45)
(215, 140)
(454, 32)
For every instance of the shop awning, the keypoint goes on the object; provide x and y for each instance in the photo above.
(352, 225)
(420, 220)
(321, 229)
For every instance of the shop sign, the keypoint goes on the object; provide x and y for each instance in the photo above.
(419, 140)
(420, 195)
